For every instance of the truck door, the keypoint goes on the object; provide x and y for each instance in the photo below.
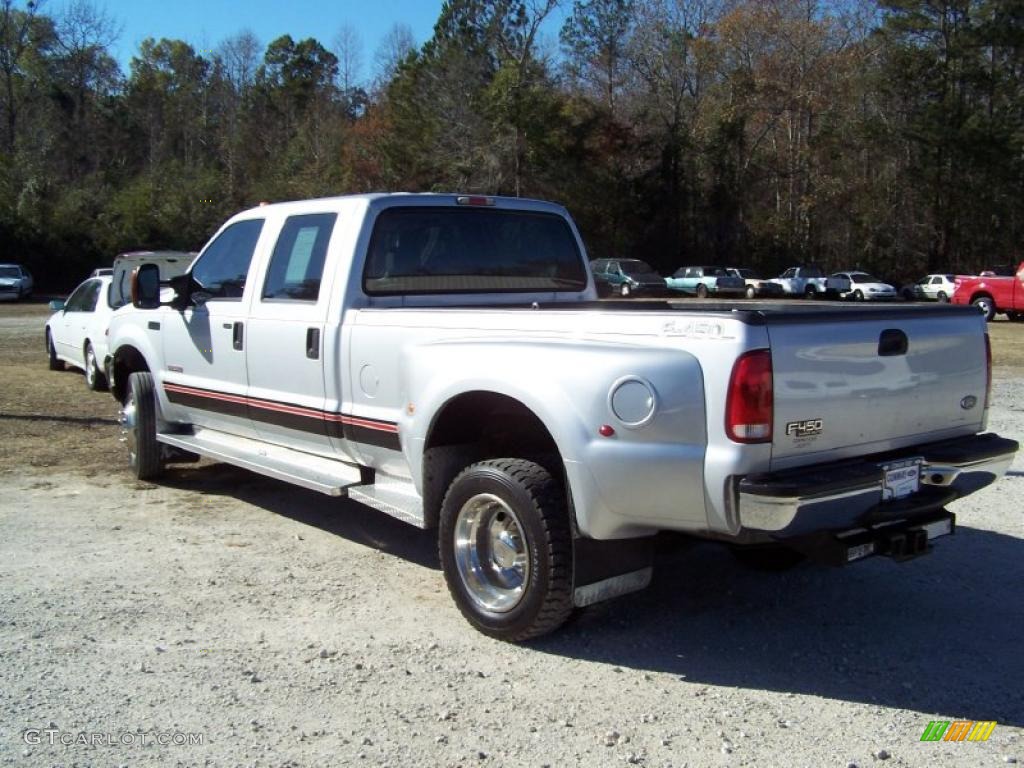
(285, 348)
(204, 344)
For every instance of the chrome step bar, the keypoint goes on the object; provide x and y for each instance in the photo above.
(394, 496)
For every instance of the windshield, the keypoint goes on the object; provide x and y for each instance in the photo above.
(863, 277)
(10, 272)
(635, 266)
(715, 272)
(471, 250)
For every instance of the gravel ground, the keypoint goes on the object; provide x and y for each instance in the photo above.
(284, 628)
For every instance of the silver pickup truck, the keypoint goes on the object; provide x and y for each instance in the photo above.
(444, 360)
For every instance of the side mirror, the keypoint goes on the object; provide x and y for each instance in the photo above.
(56, 305)
(145, 286)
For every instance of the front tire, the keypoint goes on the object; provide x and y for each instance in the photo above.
(138, 427)
(624, 290)
(751, 293)
(55, 363)
(858, 295)
(987, 307)
(506, 549)
(810, 292)
(94, 378)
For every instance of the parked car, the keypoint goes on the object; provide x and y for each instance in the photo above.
(76, 333)
(477, 390)
(930, 288)
(757, 286)
(627, 277)
(802, 281)
(859, 286)
(15, 282)
(706, 281)
(995, 293)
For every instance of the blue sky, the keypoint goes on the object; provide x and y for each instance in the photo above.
(205, 23)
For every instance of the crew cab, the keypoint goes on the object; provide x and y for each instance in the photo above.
(802, 281)
(443, 359)
(997, 291)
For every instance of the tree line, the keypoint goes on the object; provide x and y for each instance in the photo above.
(886, 135)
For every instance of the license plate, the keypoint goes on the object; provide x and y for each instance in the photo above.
(901, 479)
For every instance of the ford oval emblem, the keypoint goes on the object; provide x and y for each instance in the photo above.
(968, 402)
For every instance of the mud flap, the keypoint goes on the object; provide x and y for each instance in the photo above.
(603, 570)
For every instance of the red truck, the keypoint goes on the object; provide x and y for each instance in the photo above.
(1001, 290)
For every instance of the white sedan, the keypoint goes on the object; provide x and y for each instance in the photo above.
(859, 286)
(76, 333)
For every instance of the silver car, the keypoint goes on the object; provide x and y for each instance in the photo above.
(15, 282)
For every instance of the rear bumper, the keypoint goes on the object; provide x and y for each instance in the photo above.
(841, 496)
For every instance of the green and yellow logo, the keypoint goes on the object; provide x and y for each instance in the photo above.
(958, 730)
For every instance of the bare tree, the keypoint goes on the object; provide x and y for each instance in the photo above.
(348, 47)
(396, 45)
(240, 55)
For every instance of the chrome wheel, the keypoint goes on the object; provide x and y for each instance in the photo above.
(491, 554)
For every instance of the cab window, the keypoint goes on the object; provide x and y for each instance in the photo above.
(222, 268)
(297, 265)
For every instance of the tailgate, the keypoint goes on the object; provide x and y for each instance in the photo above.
(857, 382)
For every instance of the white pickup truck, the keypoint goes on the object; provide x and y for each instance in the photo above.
(444, 359)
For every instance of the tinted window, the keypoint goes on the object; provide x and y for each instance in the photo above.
(463, 250)
(222, 268)
(297, 264)
(84, 297)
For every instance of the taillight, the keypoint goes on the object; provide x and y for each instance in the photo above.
(988, 370)
(748, 407)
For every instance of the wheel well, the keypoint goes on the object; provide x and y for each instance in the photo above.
(982, 295)
(476, 426)
(127, 360)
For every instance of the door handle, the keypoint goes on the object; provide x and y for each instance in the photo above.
(313, 343)
(236, 335)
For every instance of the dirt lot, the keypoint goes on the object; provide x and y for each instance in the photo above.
(284, 628)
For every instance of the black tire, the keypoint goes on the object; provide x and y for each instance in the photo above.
(94, 377)
(56, 364)
(987, 307)
(540, 521)
(858, 295)
(624, 290)
(810, 292)
(1015, 317)
(702, 291)
(768, 557)
(941, 297)
(751, 292)
(138, 426)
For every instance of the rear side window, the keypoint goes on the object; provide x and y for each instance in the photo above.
(471, 250)
(297, 264)
(222, 268)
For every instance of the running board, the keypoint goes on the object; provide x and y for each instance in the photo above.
(392, 496)
(314, 472)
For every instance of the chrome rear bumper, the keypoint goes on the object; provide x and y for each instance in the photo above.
(840, 496)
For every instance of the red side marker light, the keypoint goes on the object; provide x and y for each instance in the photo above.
(606, 430)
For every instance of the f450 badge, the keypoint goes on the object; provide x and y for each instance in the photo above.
(806, 428)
